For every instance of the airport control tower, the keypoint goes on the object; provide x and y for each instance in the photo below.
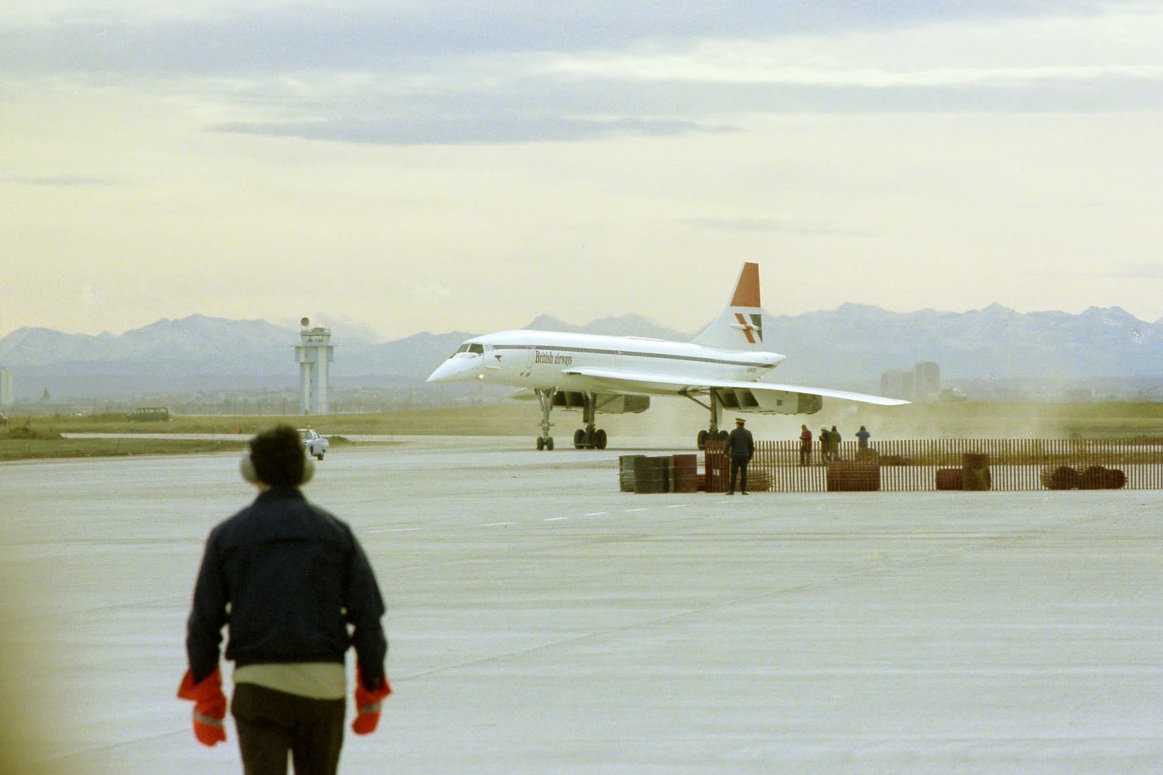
(314, 354)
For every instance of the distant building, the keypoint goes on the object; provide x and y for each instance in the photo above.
(921, 384)
(926, 382)
(314, 354)
(7, 392)
(892, 383)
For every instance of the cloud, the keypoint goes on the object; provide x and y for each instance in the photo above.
(1136, 272)
(437, 130)
(64, 181)
(775, 226)
(531, 110)
(254, 38)
(418, 73)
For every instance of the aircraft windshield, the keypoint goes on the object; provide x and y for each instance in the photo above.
(470, 347)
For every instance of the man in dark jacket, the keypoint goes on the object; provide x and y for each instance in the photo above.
(296, 591)
(740, 446)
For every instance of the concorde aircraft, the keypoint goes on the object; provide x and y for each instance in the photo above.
(722, 368)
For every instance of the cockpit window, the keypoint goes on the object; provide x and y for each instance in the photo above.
(471, 347)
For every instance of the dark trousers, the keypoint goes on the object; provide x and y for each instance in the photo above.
(272, 724)
(739, 464)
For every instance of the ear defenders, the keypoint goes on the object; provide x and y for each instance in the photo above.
(246, 468)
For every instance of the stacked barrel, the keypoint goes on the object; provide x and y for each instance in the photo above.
(975, 468)
(853, 476)
(658, 474)
(1089, 478)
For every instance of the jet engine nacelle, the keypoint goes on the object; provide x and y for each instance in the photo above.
(623, 404)
(607, 403)
(804, 403)
(769, 401)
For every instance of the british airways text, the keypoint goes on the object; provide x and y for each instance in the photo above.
(552, 358)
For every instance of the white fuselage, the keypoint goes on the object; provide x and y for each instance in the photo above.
(548, 359)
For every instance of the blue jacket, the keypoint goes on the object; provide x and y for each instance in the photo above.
(288, 578)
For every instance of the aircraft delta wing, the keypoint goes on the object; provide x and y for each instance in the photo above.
(751, 393)
(722, 368)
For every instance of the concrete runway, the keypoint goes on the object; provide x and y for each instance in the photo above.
(541, 621)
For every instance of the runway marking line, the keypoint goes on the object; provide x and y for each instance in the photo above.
(497, 524)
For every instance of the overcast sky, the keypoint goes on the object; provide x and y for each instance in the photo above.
(397, 167)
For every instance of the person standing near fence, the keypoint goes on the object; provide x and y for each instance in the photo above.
(740, 446)
(805, 446)
(862, 436)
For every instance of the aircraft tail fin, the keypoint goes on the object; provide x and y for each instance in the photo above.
(740, 325)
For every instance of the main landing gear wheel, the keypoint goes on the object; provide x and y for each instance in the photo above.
(589, 438)
(705, 436)
(715, 407)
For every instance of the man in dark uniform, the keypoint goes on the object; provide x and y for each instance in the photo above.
(740, 446)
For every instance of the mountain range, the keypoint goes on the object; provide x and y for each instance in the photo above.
(848, 347)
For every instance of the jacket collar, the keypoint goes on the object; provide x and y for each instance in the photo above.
(280, 492)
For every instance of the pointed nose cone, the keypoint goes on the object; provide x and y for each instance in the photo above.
(458, 368)
(442, 374)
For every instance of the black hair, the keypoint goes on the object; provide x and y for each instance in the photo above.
(278, 456)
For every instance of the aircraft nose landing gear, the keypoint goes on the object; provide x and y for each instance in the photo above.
(588, 437)
(545, 398)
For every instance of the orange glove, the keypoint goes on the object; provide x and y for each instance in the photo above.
(209, 706)
(368, 704)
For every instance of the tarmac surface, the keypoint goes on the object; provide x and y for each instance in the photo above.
(542, 621)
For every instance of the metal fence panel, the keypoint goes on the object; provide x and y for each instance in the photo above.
(911, 465)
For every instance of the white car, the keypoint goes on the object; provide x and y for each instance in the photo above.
(316, 445)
